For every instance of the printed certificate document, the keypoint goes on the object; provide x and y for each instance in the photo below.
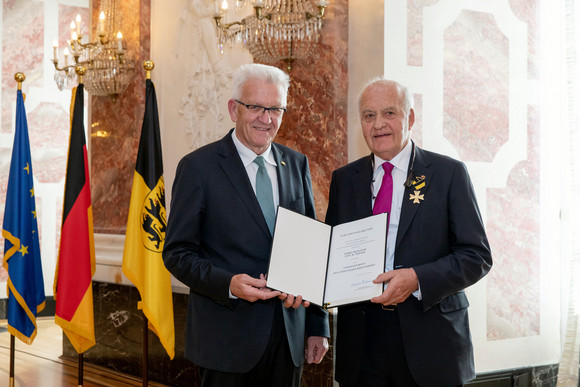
(328, 266)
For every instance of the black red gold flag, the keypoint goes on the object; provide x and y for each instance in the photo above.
(73, 290)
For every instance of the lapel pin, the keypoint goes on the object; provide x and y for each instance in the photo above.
(283, 163)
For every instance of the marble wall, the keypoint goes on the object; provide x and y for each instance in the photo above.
(116, 125)
(316, 123)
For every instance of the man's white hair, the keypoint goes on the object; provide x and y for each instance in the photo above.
(407, 98)
(260, 72)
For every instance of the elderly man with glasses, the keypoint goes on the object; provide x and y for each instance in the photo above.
(218, 241)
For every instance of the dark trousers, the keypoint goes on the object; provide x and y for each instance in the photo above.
(384, 363)
(274, 369)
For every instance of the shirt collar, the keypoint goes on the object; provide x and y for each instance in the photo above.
(247, 155)
(400, 161)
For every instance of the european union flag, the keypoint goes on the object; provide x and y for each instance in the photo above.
(20, 230)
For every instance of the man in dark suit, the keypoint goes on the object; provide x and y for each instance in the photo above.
(218, 242)
(417, 332)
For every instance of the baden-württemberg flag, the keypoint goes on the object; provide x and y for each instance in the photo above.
(142, 262)
(20, 230)
(73, 290)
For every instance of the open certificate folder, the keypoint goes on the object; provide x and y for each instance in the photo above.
(328, 266)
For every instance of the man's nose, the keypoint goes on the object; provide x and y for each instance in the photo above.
(265, 117)
(379, 122)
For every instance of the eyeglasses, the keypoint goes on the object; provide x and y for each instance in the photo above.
(259, 109)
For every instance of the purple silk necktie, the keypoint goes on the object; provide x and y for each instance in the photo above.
(385, 196)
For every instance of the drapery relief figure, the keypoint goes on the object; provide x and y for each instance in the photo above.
(203, 105)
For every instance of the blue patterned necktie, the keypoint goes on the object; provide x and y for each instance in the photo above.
(264, 193)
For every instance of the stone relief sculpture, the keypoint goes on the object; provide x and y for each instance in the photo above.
(207, 75)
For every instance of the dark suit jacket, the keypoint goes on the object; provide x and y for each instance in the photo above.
(443, 239)
(216, 230)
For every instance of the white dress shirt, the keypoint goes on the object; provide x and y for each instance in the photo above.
(248, 156)
(399, 174)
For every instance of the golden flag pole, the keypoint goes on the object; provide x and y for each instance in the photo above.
(19, 77)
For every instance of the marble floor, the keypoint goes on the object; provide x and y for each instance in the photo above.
(42, 363)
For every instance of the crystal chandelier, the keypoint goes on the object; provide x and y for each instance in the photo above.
(108, 71)
(277, 30)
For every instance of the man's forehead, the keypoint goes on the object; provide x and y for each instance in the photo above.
(378, 106)
(261, 88)
(380, 95)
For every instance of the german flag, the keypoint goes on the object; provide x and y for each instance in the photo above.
(146, 224)
(73, 290)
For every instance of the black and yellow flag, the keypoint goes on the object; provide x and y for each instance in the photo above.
(142, 262)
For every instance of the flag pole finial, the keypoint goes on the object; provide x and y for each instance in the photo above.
(19, 77)
(80, 71)
(148, 65)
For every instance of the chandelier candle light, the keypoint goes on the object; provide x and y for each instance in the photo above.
(277, 30)
(107, 68)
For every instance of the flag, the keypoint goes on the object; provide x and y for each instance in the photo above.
(146, 224)
(20, 229)
(73, 290)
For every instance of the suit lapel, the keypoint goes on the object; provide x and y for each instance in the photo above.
(284, 178)
(362, 198)
(233, 168)
(411, 201)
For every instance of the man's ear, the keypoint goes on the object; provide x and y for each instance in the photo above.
(233, 110)
(411, 118)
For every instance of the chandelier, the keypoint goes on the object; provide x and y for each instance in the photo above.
(108, 70)
(278, 30)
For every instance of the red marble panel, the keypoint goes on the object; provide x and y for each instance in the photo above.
(116, 126)
(22, 30)
(316, 122)
(476, 56)
(514, 232)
